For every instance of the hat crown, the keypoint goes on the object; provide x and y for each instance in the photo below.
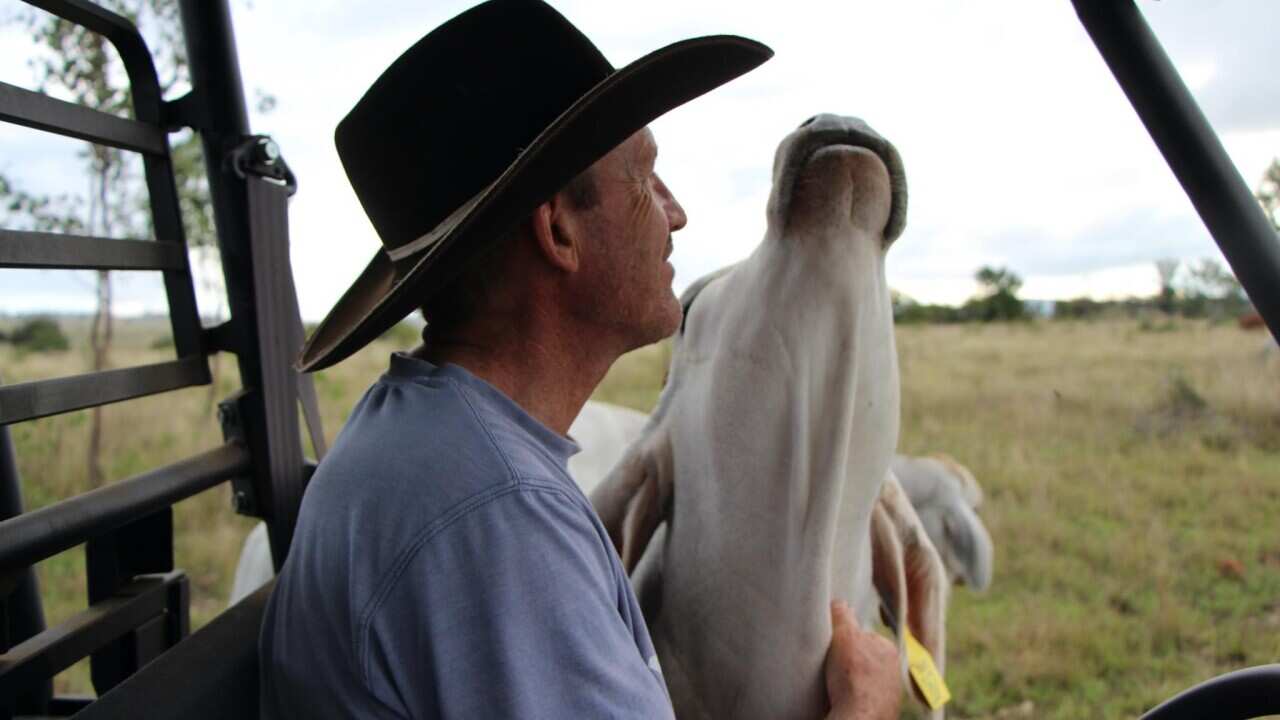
(457, 108)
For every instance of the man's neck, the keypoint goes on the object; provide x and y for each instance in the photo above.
(548, 373)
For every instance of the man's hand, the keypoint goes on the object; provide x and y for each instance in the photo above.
(863, 671)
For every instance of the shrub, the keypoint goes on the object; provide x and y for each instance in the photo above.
(908, 314)
(999, 306)
(1079, 308)
(39, 335)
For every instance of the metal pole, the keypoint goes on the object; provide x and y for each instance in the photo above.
(216, 85)
(23, 614)
(1191, 148)
(218, 96)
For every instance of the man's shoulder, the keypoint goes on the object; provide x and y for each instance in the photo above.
(415, 454)
(414, 441)
(411, 455)
(492, 536)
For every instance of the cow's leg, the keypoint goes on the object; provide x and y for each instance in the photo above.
(636, 497)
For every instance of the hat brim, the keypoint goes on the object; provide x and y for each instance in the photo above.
(613, 110)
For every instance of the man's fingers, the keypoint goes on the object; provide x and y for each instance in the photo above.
(862, 674)
(841, 615)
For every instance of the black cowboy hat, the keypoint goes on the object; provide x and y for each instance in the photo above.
(470, 129)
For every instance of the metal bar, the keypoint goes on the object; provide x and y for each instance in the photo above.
(112, 560)
(215, 81)
(56, 649)
(21, 249)
(41, 112)
(1247, 693)
(166, 217)
(23, 615)
(67, 705)
(45, 532)
(39, 398)
(1191, 148)
(191, 681)
(124, 36)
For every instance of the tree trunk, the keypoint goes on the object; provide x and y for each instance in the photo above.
(100, 331)
(100, 341)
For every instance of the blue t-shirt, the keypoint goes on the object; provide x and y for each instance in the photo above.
(446, 566)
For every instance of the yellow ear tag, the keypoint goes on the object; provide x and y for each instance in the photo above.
(925, 673)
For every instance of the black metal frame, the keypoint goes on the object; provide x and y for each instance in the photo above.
(145, 134)
(138, 602)
(1191, 148)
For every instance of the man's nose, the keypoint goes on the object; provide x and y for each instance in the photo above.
(676, 218)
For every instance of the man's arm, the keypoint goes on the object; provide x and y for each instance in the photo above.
(863, 671)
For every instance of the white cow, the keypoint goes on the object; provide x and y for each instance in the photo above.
(945, 495)
(602, 430)
(254, 568)
(771, 440)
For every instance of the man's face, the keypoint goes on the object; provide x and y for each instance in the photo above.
(627, 277)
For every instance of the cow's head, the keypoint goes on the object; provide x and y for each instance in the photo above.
(833, 176)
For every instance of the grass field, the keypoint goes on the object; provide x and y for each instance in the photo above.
(1132, 478)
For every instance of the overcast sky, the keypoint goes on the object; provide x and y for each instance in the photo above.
(1020, 148)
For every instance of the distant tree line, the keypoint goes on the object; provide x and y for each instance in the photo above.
(997, 300)
(1200, 289)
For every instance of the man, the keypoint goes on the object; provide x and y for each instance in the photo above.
(444, 563)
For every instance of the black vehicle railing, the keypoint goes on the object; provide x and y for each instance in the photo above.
(137, 601)
(1190, 147)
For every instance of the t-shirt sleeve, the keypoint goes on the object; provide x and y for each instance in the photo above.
(510, 610)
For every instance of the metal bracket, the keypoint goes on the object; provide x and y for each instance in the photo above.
(244, 500)
(259, 155)
(190, 110)
(223, 337)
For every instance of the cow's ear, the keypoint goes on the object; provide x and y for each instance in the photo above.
(970, 547)
(927, 585)
(635, 497)
(887, 574)
(907, 570)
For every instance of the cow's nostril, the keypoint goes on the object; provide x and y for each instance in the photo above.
(806, 122)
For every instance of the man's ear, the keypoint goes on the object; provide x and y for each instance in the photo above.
(558, 234)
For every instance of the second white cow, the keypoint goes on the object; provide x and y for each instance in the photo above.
(946, 497)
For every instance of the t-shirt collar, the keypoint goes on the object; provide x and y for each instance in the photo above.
(407, 366)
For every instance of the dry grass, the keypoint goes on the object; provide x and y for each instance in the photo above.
(1124, 471)
(1130, 478)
